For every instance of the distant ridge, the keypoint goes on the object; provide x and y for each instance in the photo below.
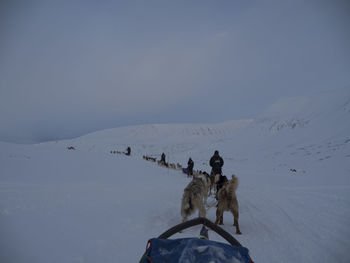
(306, 131)
(319, 109)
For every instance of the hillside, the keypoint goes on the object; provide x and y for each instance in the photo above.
(175, 140)
(301, 133)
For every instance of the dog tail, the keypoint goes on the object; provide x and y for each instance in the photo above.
(229, 189)
(234, 182)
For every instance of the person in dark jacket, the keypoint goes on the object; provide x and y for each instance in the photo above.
(190, 165)
(162, 158)
(216, 163)
(128, 151)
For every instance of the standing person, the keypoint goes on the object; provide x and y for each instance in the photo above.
(128, 151)
(216, 163)
(162, 158)
(190, 165)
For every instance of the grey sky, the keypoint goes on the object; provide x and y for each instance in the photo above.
(68, 68)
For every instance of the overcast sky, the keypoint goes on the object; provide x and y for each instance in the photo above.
(69, 68)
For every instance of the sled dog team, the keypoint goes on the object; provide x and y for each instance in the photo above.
(196, 193)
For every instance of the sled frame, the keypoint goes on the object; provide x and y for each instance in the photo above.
(201, 221)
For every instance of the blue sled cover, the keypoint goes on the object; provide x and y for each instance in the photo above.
(188, 250)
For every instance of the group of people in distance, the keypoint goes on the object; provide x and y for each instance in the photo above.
(216, 162)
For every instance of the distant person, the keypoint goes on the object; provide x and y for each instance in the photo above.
(162, 158)
(128, 151)
(216, 163)
(190, 165)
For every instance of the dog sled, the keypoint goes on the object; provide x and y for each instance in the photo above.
(192, 250)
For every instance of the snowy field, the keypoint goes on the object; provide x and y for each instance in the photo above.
(88, 205)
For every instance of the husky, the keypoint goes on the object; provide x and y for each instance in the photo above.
(227, 201)
(195, 197)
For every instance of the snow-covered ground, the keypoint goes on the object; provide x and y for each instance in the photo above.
(88, 205)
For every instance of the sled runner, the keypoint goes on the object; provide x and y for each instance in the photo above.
(193, 250)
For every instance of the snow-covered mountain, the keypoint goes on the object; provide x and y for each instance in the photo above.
(89, 205)
(155, 138)
(304, 130)
(328, 110)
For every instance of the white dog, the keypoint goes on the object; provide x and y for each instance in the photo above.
(195, 197)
